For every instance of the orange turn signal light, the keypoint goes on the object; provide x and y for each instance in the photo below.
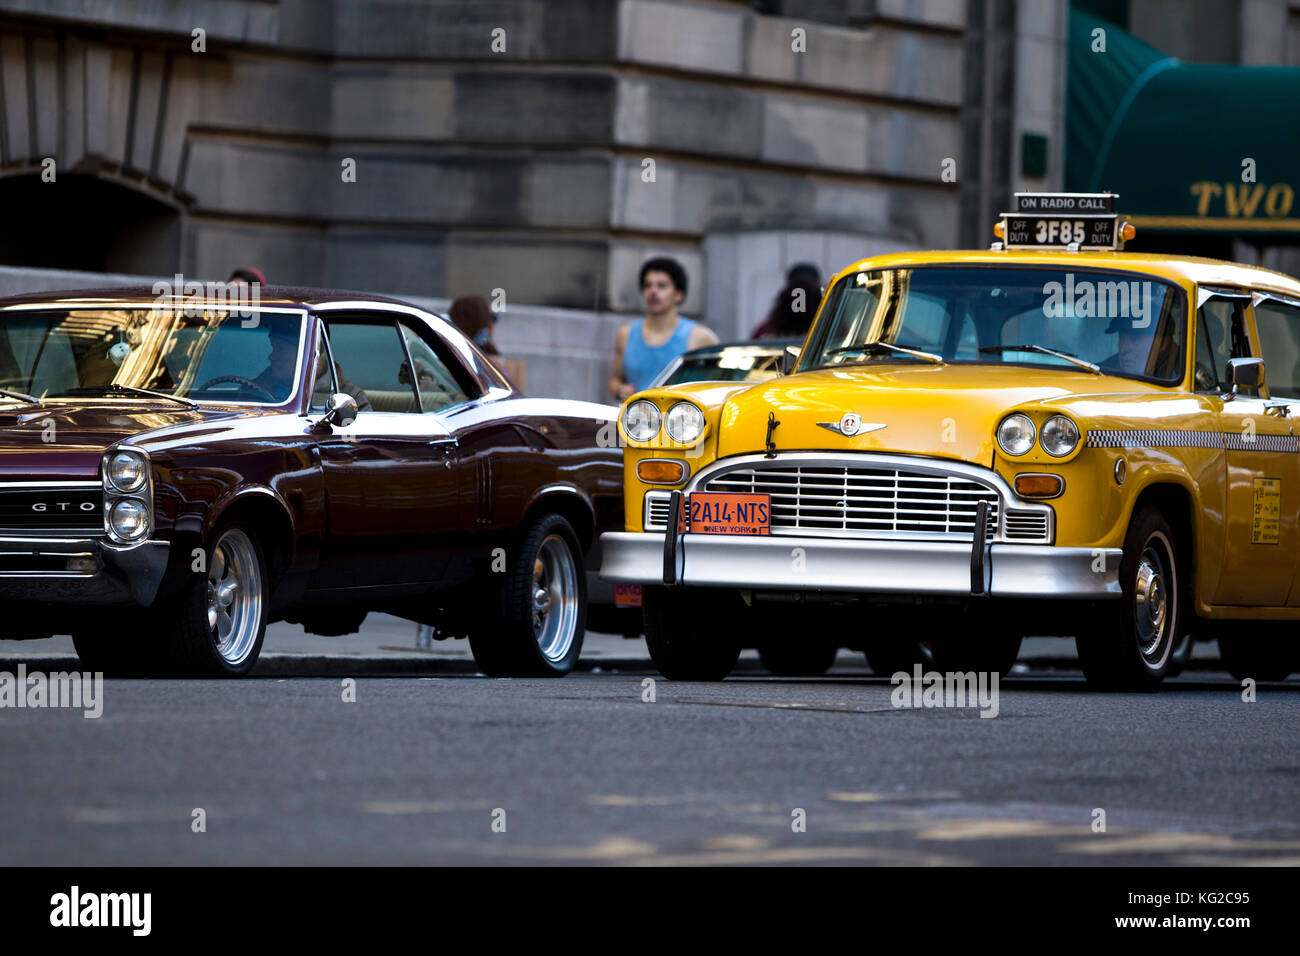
(998, 230)
(1127, 231)
(1039, 486)
(658, 471)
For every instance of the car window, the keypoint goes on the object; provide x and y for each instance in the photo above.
(1278, 326)
(1220, 335)
(437, 386)
(370, 363)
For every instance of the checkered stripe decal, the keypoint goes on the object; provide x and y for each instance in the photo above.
(1280, 443)
(1175, 438)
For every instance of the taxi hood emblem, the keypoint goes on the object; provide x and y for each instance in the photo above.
(852, 424)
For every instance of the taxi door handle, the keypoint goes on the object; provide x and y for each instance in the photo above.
(1282, 409)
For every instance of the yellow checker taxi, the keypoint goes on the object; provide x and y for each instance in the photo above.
(1051, 437)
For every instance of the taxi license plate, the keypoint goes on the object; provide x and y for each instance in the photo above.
(709, 512)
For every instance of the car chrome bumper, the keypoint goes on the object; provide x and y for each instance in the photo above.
(36, 570)
(789, 563)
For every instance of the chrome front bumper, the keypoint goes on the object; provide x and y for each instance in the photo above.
(866, 566)
(36, 570)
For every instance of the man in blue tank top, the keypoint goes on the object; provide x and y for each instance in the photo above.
(644, 347)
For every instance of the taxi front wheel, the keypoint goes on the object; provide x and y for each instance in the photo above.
(690, 632)
(1128, 644)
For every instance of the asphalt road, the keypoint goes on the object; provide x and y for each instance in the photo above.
(584, 770)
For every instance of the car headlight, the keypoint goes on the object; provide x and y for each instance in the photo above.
(1016, 434)
(1060, 436)
(129, 519)
(684, 423)
(127, 471)
(641, 421)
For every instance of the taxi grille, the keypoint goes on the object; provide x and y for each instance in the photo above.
(52, 510)
(865, 499)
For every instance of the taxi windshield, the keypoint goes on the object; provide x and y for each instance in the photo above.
(1115, 323)
(218, 356)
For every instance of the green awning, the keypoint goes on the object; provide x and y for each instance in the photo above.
(1171, 138)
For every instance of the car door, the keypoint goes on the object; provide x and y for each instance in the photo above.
(1262, 469)
(391, 494)
(1277, 330)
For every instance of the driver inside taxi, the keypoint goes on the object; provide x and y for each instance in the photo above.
(1139, 351)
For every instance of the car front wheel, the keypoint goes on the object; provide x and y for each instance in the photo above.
(215, 626)
(537, 627)
(1127, 644)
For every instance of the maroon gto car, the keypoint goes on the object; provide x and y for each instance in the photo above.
(174, 475)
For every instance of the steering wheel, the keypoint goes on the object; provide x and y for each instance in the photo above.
(246, 382)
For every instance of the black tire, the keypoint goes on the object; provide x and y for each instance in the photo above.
(189, 645)
(519, 640)
(1128, 644)
(1265, 653)
(888, 655)
(687, 631)
(983, 648)
(117, 645)
(796, 656)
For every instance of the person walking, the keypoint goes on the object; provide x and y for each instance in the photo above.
(795, 305)
(644, 347)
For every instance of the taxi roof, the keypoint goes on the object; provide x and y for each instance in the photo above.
(1182, 269)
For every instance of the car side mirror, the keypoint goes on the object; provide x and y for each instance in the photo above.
(1245, 373)
(340, 410)
(789, 358)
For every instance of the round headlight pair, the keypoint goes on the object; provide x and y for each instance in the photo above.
(1059, 437)
(128, 471)
(684, 422)
(129, 519)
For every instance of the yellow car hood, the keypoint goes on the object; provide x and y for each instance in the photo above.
(947, 411)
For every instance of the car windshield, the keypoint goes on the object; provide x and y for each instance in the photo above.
(729, 365)
(219, 356)
(1117, 323)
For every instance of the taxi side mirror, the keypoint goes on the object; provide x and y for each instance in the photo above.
(340, 410)
(1245, 373)
(789, 358)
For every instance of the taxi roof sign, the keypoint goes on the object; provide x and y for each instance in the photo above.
(1072, 222)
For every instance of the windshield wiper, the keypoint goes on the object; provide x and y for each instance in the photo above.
(117, 387)
(1064, 356)
(868, 346)
(21, 396)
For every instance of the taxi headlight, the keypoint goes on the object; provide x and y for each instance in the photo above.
(1016, 434)
(129, 519)
(684, 423)
(641, 421)
(128, 471)
(1060, 436)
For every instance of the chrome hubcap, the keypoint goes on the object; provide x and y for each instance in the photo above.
(555, 598)
(234, 596)
(1152, 597)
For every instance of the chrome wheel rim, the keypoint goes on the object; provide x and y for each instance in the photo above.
(234, 596)
(554, 598)
(1154, 587)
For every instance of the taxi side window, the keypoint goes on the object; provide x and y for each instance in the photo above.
(1221, 335)
(1278, 326)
